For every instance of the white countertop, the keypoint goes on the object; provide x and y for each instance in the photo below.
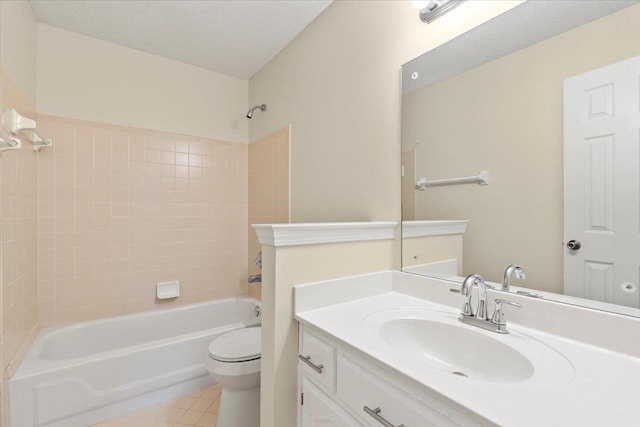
(591, 386)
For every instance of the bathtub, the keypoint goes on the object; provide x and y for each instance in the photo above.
(89, 372)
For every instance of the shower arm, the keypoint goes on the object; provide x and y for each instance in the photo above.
(261, 107)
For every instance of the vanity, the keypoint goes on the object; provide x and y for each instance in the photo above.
(387, 349)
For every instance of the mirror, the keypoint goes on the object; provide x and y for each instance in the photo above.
(492, 100)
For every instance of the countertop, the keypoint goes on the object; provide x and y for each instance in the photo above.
(586, 386)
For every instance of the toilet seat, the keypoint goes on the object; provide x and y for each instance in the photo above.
(242, 345)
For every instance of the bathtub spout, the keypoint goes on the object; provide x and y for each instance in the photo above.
(255, 278)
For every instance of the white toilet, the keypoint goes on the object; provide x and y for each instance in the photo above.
(234, 362)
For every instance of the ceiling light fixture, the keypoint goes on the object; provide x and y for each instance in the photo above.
(432, 9)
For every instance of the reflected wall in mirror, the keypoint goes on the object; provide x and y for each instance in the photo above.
(506, 116)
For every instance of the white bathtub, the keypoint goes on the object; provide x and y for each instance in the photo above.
(89, 372)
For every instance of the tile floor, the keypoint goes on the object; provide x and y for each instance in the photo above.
(199, 408)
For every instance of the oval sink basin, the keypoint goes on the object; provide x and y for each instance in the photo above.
(431, 338)
(456, 350)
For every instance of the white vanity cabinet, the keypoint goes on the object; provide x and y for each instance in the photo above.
(340, 387)
(317, 409)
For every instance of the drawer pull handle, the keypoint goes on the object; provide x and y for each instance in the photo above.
(307, 360)
(375, 413)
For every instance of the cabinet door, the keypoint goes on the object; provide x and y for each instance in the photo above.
(320, 411)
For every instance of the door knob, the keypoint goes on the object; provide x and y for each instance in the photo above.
(574, 245)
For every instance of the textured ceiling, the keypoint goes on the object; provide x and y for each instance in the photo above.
(232, 37)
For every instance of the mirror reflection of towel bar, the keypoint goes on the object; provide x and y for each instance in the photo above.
(481, 179)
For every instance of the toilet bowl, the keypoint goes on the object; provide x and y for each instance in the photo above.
(234, 362)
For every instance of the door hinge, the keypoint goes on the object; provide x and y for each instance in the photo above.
(301, 399)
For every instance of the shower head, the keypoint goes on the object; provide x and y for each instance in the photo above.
(261, 107)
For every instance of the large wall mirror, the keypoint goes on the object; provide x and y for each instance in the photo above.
(508, 99)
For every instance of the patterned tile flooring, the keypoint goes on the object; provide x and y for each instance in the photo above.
(199, 408)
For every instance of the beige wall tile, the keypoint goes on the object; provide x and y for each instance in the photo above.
(18, 239)
(268, 182)
(126, 208)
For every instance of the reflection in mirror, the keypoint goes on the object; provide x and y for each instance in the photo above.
(493, 99)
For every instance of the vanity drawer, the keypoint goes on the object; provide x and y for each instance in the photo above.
(318, 359)
(359, 389)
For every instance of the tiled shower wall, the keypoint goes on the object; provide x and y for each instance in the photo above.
(18, 238)
(121, 209)
(268, 189)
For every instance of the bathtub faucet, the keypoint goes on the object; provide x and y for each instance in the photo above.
(258, 261)
(257, 277)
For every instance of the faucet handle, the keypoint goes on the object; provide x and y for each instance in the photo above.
(499, 318)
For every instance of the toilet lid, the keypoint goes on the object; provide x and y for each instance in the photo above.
(236, 346)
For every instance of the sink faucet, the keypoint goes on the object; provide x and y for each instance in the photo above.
(497, 322)
(467, 288)
(506, 280)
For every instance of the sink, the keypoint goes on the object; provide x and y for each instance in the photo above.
(456, 350)
(436, 339)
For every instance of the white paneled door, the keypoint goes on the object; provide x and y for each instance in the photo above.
(602, 184)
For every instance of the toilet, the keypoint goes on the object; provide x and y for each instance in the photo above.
(234, 362)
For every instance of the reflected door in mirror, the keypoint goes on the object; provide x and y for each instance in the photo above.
(601, 184)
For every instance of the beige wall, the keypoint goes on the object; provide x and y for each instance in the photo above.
(86, 78)
(285, 267)
(338, 84)
(506, 117)
(18, 46)
(121, 209)
(268, 191)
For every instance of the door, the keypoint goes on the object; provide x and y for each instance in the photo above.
(601, 184)
(320, 411)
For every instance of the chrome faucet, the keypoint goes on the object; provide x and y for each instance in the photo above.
(506, 280)
(467, 288)
(497, 322)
